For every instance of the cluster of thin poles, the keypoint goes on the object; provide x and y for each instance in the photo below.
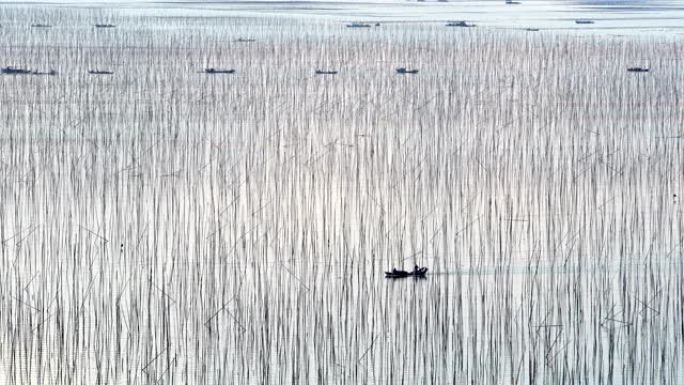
(160, 225)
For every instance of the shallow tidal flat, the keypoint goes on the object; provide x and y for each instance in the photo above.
(165, 225)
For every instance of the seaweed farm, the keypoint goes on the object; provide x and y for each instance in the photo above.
(221, 205)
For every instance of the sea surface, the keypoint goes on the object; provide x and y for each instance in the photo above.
(166, 225)
(628, 17)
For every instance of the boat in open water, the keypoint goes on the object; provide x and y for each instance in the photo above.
(218, 71)
(418, 272)
(15, 71)
(459, 23)
(358, 25)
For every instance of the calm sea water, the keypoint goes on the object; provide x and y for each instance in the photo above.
(613, 17)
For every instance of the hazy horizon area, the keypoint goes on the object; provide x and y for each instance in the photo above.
(627, 17)
(610, 16)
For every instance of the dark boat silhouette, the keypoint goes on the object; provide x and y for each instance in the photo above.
(404, 71)
(41, 26)
(460, 23)
(584, 21)
(325, 72)
(105, 26)
(218, 71)
(418, 272)
(15, 71)
(48, 73)
(245, 40)
(22, 71)
(358, 25)
(638, 69)
(100, 72)
(531, 29)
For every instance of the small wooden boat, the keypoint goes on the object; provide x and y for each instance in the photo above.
(218, 71)
(15, 71)
(638, 69)
(531, 29)
(584, 21)
(325, 72)
(460, 23)
(418, 272)
(41, 26)
(100, 72)
(21, 71)
(245, 40)
(48, 73)
(404, 71)
(358, 25)
(105, 26)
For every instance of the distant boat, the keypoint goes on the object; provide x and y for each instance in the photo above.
(49, 73)
(460, 23)
(512, 2)
(358, 25)
(584, 21)
(99, 72)
(404, 71)
(325, 72)
(15, 71)
(417, 272)
(243, 40)
(532, 29)
(22, 71)
(41, 26)
(217, 71)
(105, 26)
(638, 69)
